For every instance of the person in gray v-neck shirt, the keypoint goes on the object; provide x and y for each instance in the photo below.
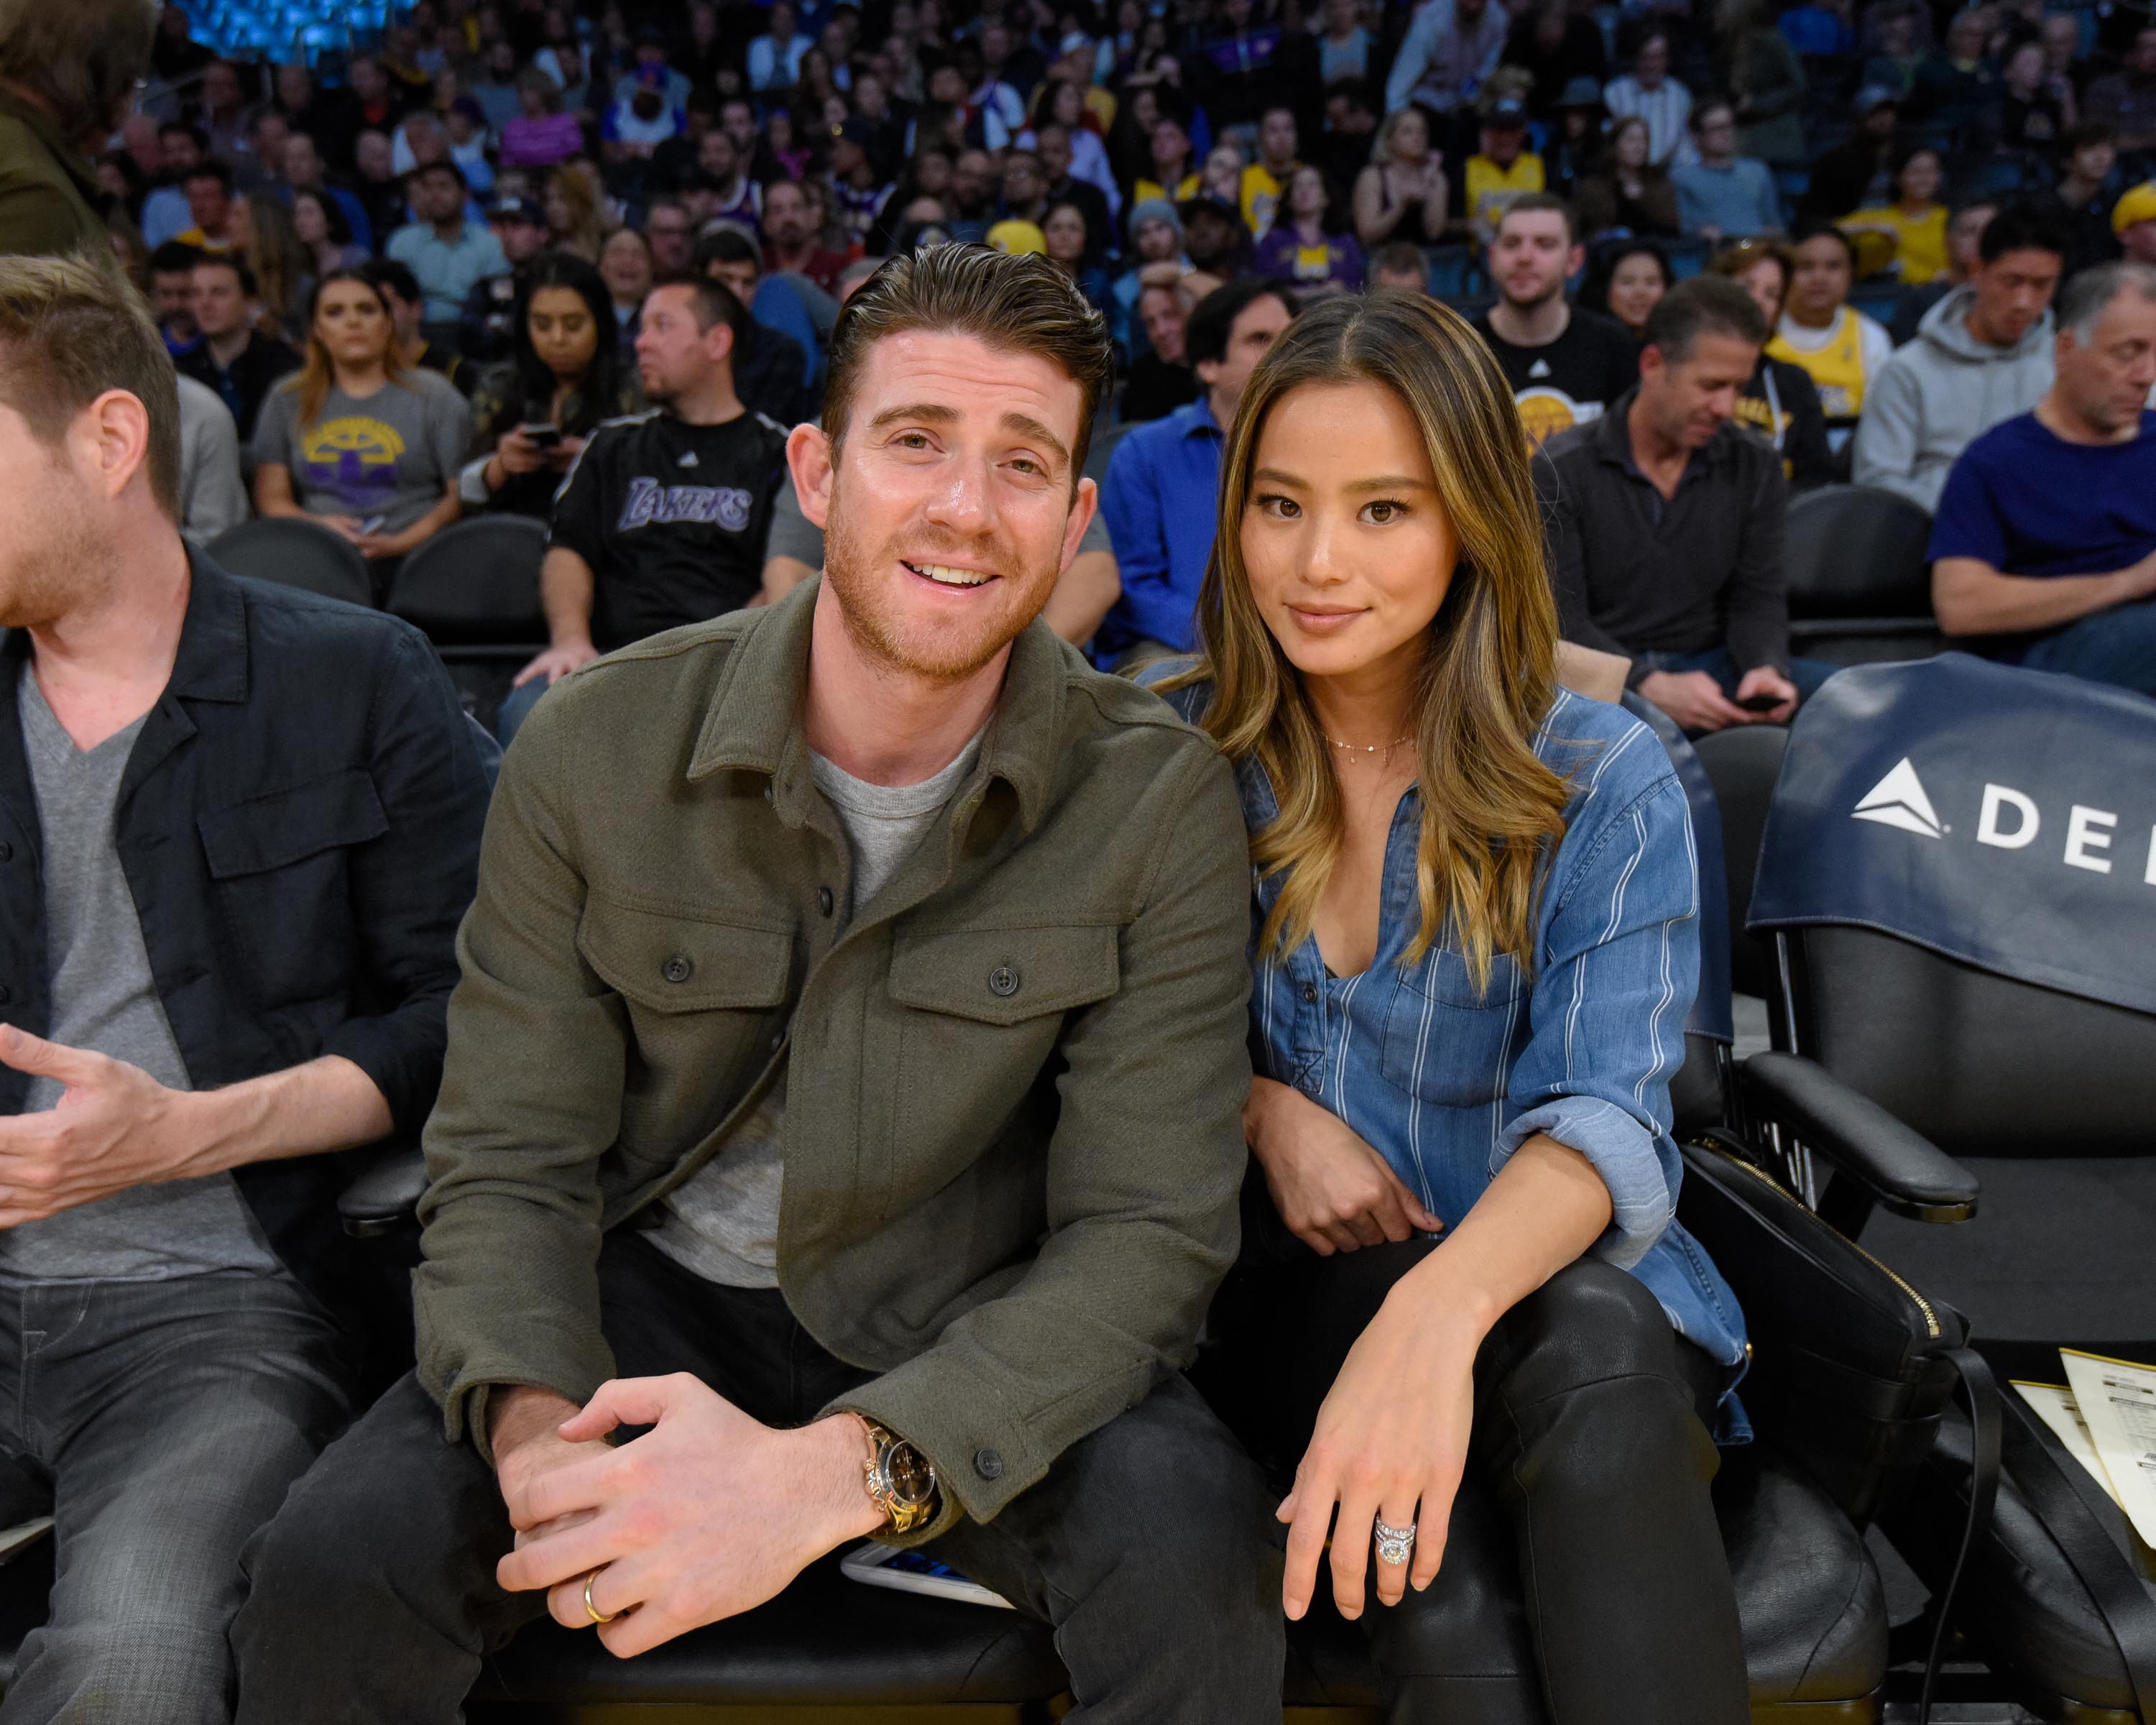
(104, 997)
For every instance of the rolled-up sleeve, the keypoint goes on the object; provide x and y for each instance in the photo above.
(1619, 952)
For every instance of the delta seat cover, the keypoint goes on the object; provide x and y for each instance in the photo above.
(2000, 816)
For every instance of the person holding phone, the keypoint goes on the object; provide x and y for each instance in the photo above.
(1667, 523)
(565, 375)
(356, 439)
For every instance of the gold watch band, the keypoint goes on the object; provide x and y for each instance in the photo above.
(900, 1514)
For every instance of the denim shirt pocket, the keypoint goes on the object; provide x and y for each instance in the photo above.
(1447, 1041)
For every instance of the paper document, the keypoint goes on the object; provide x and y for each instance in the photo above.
(2118, 1400)
(2055, 1404)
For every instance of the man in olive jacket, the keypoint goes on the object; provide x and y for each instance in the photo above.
(886, 965)
(67, 72)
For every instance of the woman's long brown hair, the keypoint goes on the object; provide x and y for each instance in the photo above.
(1489, 803)
(316, 379)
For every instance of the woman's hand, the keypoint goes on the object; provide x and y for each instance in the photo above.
(1334, 1192)
(518, 454)
(1391, 1441)
(345, 526)
(386, 544)
(565, 452)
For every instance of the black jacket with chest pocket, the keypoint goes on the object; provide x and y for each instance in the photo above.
(299, 823)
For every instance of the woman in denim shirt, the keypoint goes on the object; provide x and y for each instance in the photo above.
(1464, 1319)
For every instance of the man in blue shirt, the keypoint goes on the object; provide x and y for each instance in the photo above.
(1164, 480)
(446, 252)
(2044, 545)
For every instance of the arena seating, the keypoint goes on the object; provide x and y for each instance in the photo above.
(294, 552)
(474, 588)
(1914, 1049)
(1859, 584)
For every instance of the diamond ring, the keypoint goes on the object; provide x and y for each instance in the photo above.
(1395, 1544)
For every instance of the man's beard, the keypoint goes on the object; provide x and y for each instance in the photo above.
(1549, 292)
(64, 567)
(877, 621)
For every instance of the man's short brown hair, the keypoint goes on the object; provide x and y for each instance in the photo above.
(69, 331)
(1018, 302)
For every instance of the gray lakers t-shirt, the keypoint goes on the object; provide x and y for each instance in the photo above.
(722, 1221)
(105, 1000)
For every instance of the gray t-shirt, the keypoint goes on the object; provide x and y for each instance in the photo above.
(392, 454)
(105, 1000)
(722, 1221)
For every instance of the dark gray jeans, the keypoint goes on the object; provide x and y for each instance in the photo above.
(1149, 1546)
(161, 1424)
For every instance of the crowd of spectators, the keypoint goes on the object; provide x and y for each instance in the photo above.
(417, 278)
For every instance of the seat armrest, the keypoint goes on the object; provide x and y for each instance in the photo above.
(1897, 1165)
(385, 1193)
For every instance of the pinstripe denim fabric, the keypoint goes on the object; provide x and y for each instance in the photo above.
(1446, 1081)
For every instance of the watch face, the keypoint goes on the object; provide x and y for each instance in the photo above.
(912, 1478)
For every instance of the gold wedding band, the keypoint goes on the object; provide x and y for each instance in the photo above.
(591, 1610)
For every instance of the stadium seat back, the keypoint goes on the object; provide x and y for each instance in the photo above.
(291, 551)
(1859, 580)
(1742, 763)
(1981, 1065)
(475, 582)
(1699, 1093)
(1956, 866)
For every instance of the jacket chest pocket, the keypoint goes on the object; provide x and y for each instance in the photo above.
(986, 1009)
(706, 1000)
(1448, 1041)
(281, 866)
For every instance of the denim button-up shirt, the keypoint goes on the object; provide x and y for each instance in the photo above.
(1445, 1082)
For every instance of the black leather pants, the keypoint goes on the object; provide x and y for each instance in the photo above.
(1584, 1581)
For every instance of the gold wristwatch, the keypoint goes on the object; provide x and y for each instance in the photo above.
(901, 1481)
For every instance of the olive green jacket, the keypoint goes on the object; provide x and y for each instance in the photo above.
(1012, 1131)
(49, 198)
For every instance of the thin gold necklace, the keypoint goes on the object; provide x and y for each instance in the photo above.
(1366, 748)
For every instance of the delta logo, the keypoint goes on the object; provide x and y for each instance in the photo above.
(2008, 819)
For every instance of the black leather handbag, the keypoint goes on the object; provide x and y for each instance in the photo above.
(1852, 1368)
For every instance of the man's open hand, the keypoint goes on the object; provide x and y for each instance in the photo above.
(113, 1126)
(707, 1514)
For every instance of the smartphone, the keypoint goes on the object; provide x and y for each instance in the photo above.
(545, 433)
(373, 524)
(914, 1572)
(1761, 703)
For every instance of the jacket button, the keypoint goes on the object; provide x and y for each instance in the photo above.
(1002, 980)
(1309, 994)
(5, 995)
(678, 969)
(988, 1464)
(6, 850)
(824, 900)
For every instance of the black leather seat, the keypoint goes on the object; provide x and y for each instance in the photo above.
(1742, 763)
(294, 552)
(474, 589)
(826, 1641)
(1985, 1067)
(1859, 580)
(2036, 1063)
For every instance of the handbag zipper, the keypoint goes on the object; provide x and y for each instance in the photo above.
(1931, 1317)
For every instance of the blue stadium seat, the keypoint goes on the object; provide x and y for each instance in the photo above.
(1454, 270)
(1688, 256)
